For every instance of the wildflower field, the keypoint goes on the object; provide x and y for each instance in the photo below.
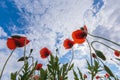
(32, 70)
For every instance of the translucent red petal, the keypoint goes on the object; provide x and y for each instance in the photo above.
(21, 42)
(11, 44)
(45, 52)
(79, 36)
(68, 43)
(117, 53)
(38, 66)
(85, 28)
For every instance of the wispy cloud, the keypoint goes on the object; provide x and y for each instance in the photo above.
(50, 22)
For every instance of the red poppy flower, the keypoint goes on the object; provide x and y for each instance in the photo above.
(36, 77)
(16, 41)
(117, 53)
(97, 77)
(94, 55)
(80, 35)
(68, 43)
(107, 75)
(85, 28)
(85, 76)
(45, 52)
(38, 66)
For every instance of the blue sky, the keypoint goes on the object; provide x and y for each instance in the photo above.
(10, 16)
(48, 23)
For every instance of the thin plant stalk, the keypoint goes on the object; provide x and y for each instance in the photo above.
(72, 56)
(90, 52)
(92, 76)
(100, 43)
(29, 56)
(104, 39)
(25, 53)
(6, 63)
(71, 59)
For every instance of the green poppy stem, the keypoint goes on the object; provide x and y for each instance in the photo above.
(72, 56)
(90, 51)
(6, 63)
(25, 53)
(29, 56)
(100, 43)
(104, 39)
(71, 59)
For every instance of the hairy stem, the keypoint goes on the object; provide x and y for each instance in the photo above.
(6, 63)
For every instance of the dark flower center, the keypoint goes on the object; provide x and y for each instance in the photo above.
(46, 54)
(70, 44)
(81, 35)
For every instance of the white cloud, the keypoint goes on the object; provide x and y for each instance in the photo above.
(51, 17)
(2, 33)
(64, 16)
(47, 18)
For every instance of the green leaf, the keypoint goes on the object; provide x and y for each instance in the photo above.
(31, 50)
(22, 58)
(100, 54)
(108, 71)
(43, 74)
(96, 67)
(117, 59)
(13, 76)
(75, 75)
(71, 66)
(80, 73)
(88, 64)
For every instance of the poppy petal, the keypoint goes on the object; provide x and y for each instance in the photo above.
(20, 42)
(11, 44)
(38, 66)
(45, 52)
(85, 28)
(117, 53)
(79, 41)
(79, 36)
(68, 43)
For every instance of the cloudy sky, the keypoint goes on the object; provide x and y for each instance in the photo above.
(48, 22)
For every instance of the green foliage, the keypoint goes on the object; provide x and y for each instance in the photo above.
(75, 75)
(108, 71)
(13, 76)
(27, 71)
(23, 58)
(100, 54)
(43, 74)
(57, 70)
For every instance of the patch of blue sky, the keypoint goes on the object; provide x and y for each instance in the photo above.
(66, 58)
(59, 35)
(10, 17)
(97, 5)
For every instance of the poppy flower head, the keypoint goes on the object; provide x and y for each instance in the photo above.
(85, 28)
(61, 78)
(79, 36)
(68, 43)
(45, 52)
(17, 41)
(11, 44)
(36, 77)
(117, 53)
(85, 76)
(97, 77)
(107, 75)
(94, 55)
(38, 66)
